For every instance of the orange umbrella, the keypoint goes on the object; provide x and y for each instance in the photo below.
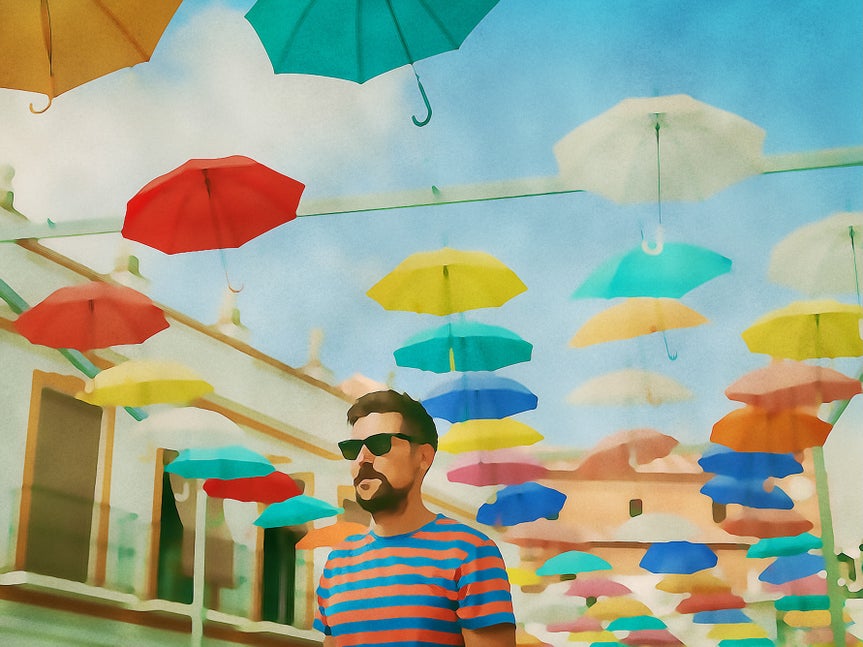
(622, 451)
(752, 429)
(712, 601)
(766, 523)
(330, 535)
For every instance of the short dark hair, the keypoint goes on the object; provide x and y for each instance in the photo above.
(417, 420)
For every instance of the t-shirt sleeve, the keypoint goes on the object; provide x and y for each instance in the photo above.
(483, 588)
(320, 621)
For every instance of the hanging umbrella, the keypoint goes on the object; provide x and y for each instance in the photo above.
(671, 272)
(792, 567)
(677, 557)
(711, 601)
(331, 535)
(629, 386)
(186, 427)
(746, 642)
(750, 492)
(811, 585)
(596, 587)
(636, 623)
(357, 41)
(523, 577)
(91, 315)
(463, 346)
(593, 637)
(698, 582)
(583, 623)
(720, 617)
(211, 204)
(785, 384)
(652, 637)
(618, 607)
(822, 258)
(136, 383)
(719, 459)
(623, 451)
(634, 317)
(808, 330)
(546, 534)
(737, 631)
(296, 511)
(814, 618)
(765, 523)
(573, 562)
(758, 430)
(484, 434)
(270, 488)
(802, 603)
(788, 545)
(496, 467)
(479, 395)
(516, 504)
(445, 281)
(49, 46)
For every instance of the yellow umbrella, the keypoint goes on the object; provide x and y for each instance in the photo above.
(618, 607)
(591, 636)
(520, 576)
(811, 618)
(635, 317)
(137, 383)
(698, 582)
(445, 281)
(808, 330)
(487, 433)
(56, 45)
(736, 631)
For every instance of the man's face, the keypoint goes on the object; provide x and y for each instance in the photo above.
(383, 482)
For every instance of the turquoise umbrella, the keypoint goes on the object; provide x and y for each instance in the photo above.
(573, 562)
(636, 623)
(671, 272)
(779, 546)
(463, 346)
(296, 511)
(357, 40)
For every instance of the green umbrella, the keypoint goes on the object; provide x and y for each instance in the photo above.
(463, 346)
(358, 40)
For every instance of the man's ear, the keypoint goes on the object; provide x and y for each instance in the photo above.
(427, 454)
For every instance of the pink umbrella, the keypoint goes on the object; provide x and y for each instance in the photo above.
(595, 587)
(810, 585)
(785, 384)
(507, 466)
(584, 623)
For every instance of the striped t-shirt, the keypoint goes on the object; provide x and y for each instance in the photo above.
(413, 590)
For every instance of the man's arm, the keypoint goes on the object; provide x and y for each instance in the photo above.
(329, 641)
(495, 636)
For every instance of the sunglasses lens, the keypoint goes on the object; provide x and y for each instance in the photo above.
(379, 444)
(350, 448)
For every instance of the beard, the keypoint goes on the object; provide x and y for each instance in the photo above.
(386, 498)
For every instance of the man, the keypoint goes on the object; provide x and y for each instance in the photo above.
(415, 578)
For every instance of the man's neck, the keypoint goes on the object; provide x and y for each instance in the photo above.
(400, 522)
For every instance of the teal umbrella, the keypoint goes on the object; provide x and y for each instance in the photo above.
(296, 511)
(671, 271)
(779, 546)
(573, 562)
(463, 346)
(636, 623)
(357, 40)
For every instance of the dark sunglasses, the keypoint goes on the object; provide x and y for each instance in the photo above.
(378, 444)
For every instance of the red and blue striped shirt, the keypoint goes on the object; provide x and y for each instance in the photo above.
(413, 590)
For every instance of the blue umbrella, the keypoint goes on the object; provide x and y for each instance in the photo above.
(520, 503)
(792, 567)
(674, 271)
(720, 459)
(573, 562)
(681, 557)
(479, 396)
(296, 511)
(720, 617)
(778, 546)
(749, 492)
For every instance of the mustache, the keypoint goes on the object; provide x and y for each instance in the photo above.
(367, 472)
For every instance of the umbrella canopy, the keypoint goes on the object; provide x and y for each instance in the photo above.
(746, 642)
(296, 511)
(785, 384)
(765, 523)
(463, 346)
(497, 467)
(479, 395)
(211, 204)
(720, 459)
(811, 585)
(808, 330)
(596, 587)
(720, 617)
(649, 637)
(677, 557)
(230, 462)
(636, 623)
(583, 623)
(484, 434)
(671, 272)
(331, 535)
(618, 607)
(698, 582)
(623, 451)
(573, 562)
(822, 258)
(445, 281)
(91, 315)
(788, 545)
(629, 386)
(695, 150)
(750, 492)
(270, 488)
(752, 429)
(737, 631)
(520, 576)
(136, 383)
(49, 47)
(712, 601)
(516, 504)
(802, 602)
(634, 317)
(792, 567)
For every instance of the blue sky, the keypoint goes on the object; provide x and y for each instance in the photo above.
(530, 73)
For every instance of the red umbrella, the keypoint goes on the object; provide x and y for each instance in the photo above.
(752, 429)
(787, 383)
(211, 204)
(645, 637)
(272, 488)
(710, 602)
(91, 315)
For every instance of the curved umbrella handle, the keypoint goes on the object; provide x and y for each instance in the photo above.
(672, 355)
(39, 112)
(416, 121)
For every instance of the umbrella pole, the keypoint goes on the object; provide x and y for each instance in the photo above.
(198, 581)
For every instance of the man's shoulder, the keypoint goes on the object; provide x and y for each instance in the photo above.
(446, 526)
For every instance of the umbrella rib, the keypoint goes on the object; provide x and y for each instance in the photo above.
(854, 258)
(289, 41)
(440, 24)
(122, 29)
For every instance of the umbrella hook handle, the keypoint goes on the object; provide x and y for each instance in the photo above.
(672, 355)
(182, 495)
(654, 248)
(416, 121)
(39, 112)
